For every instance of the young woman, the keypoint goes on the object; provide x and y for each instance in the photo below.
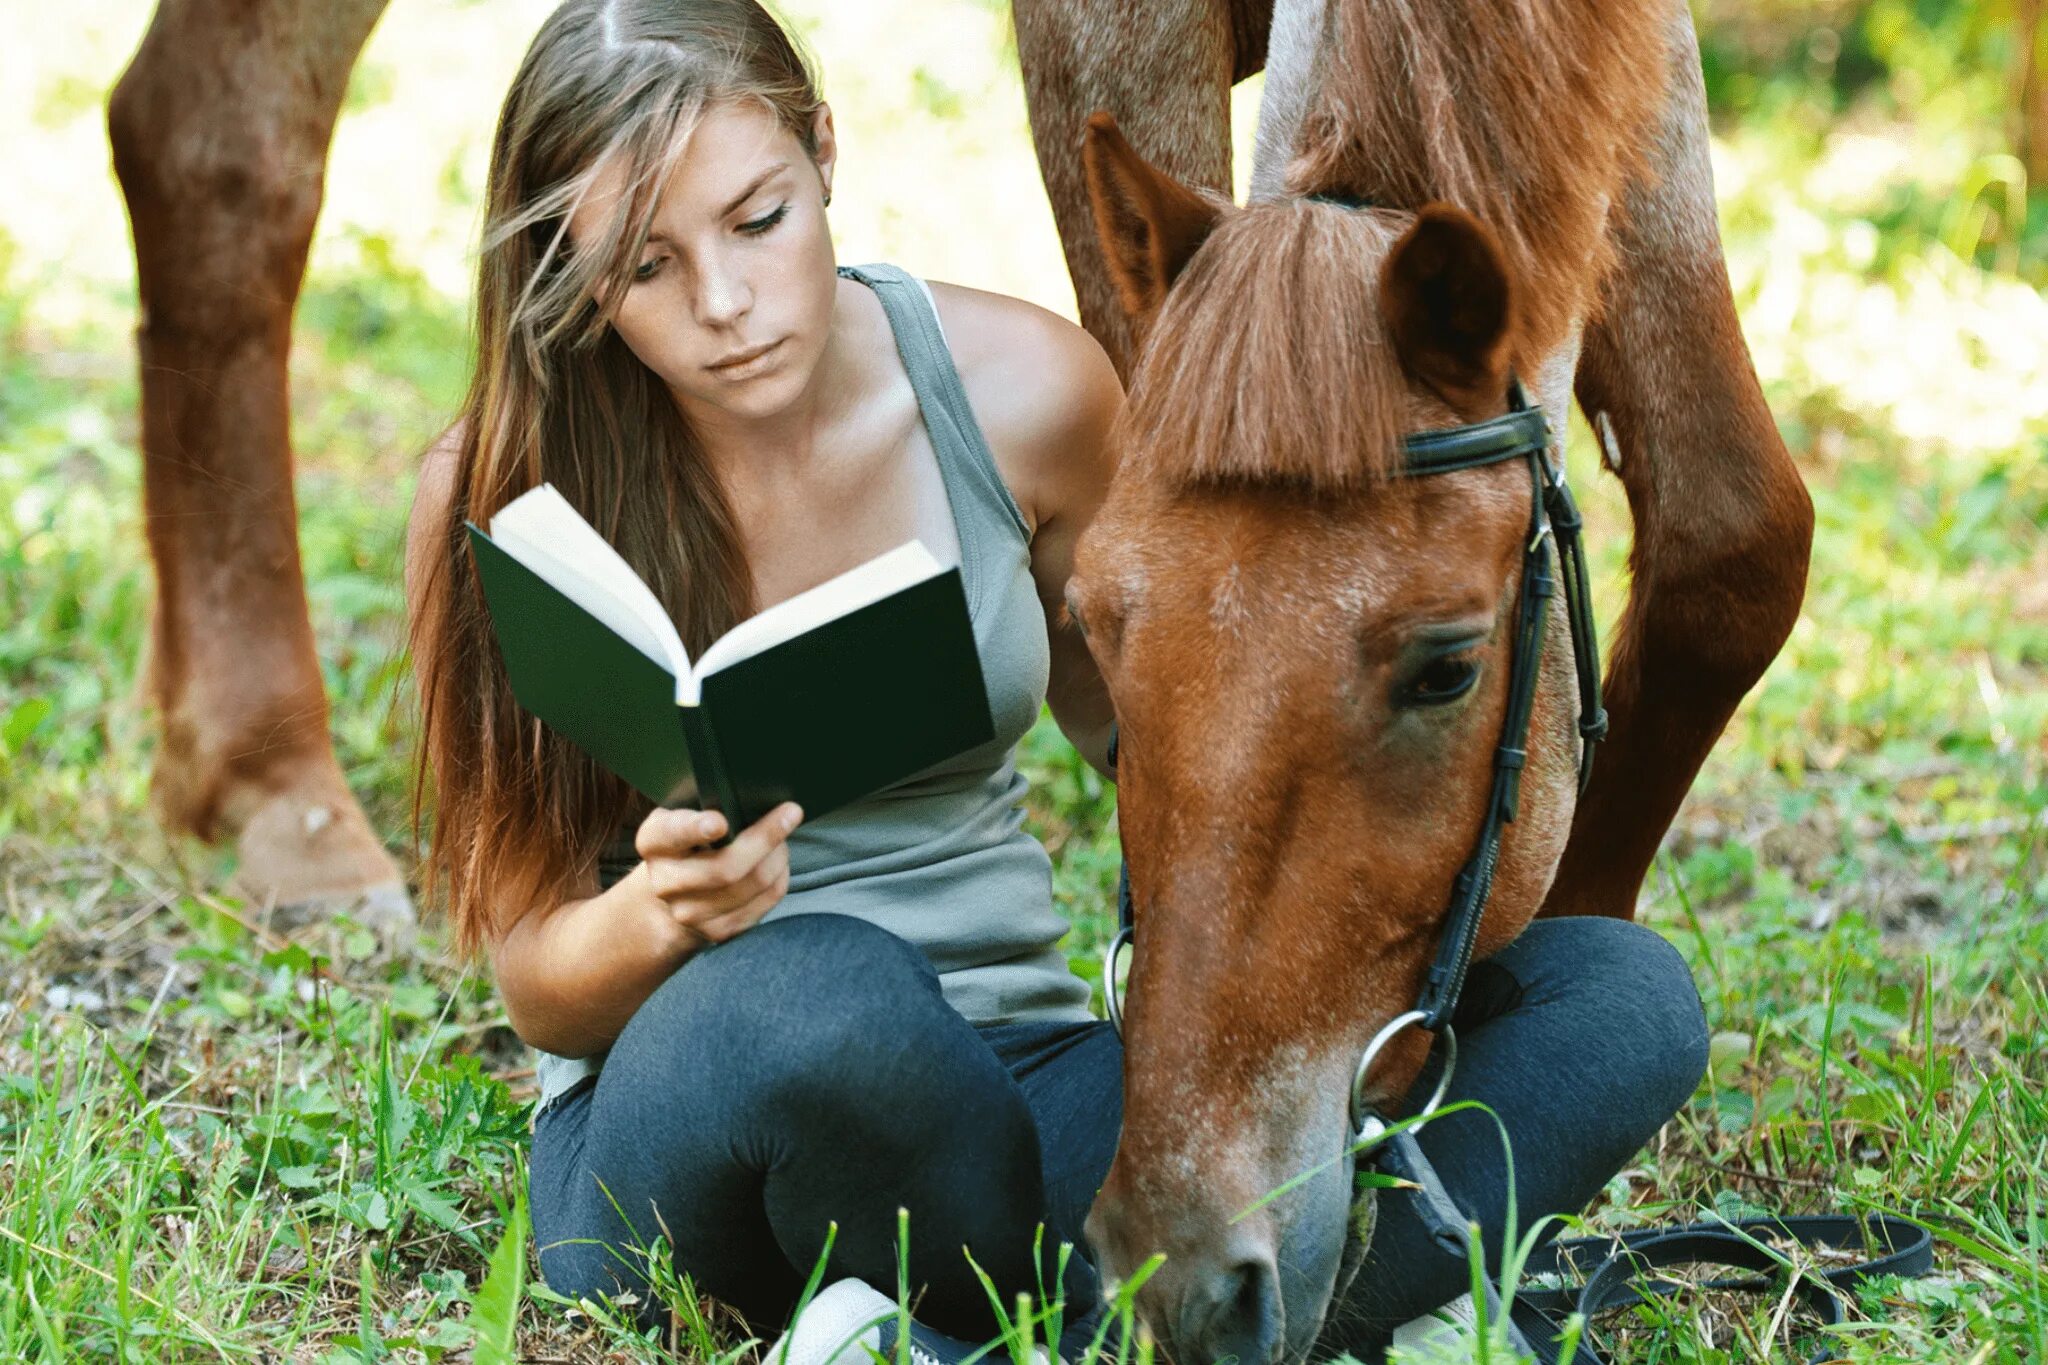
(824, 1022)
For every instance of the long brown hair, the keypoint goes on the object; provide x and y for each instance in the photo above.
(520, 814)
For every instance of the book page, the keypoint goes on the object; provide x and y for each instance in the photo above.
(549, 536)
(881, 576)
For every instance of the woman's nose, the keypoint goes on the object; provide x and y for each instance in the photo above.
(723, 296)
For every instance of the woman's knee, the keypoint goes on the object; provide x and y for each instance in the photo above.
(811, 1006)
(1664, 1011)
(1679, 1017)
(1632, 989)
(771, 979)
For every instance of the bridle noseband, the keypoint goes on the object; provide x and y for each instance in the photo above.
(1521, 433)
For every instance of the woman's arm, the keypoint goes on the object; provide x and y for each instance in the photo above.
(1045, 394)
(572, 976)
(1075, 456)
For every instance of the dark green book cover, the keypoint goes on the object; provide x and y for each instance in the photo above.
(838, 712)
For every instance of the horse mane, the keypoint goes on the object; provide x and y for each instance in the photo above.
(1528, 114)
(1268, 362)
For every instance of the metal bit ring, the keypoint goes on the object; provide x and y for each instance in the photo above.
(1367, 1125)
(1110, 999)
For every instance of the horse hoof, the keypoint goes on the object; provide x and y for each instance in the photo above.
(307, 856)
(385, 909)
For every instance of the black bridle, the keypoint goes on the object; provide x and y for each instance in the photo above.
(1520, 433)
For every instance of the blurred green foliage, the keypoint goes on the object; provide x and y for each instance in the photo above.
(1803, 69)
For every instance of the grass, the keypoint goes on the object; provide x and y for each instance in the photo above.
(220, 1140)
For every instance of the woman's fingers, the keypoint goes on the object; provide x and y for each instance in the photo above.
(675, 833)
(719, 928)
(730, 875)
(771, 869)
(756, 842)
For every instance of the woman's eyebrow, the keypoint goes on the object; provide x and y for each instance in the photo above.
(759, 180)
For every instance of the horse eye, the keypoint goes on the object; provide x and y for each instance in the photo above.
(1442, 680)
(1074, 613)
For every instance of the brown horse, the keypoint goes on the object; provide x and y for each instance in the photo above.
(1308, 653)
(220, 127)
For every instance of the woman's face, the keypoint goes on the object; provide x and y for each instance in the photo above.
(738, 259)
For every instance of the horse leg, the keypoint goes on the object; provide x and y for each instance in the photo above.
(1165, 70)
(219, 129)
(1723, 524)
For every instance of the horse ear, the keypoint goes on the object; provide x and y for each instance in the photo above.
(1148, 222)
(1447, 303)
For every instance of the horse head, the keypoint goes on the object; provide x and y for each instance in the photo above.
(1309, 656)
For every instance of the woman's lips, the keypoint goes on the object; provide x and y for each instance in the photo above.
(762, 359)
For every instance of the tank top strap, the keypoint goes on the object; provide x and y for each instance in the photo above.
(980, 497)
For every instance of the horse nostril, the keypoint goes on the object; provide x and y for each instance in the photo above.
(1236, 1320)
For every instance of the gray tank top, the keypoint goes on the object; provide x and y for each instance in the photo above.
(941, 858)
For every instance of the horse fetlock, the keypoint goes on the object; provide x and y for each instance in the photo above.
(217, 765)
(184, 789)
(305, 847)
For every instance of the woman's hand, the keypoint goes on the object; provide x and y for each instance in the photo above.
(716, 893)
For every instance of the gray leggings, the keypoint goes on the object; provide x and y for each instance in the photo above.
(808, 1070)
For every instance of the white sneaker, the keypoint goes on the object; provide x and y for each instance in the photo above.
(850, 1318)
(1431, 1327)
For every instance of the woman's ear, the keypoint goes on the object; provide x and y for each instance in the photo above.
(827, 144)
(1149, 223)
(1449, 307)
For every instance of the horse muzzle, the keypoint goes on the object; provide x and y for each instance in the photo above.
(1249, 1292)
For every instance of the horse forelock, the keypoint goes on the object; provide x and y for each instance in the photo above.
(1269, 363)
(1529, 114)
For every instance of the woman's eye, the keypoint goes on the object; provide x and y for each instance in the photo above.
(1442, 680)
(765, 222)
(647, 270)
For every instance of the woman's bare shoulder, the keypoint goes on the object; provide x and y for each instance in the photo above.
(1042, 388)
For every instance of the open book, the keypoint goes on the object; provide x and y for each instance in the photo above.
(835, 693)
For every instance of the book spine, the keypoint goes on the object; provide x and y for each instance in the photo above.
(714, 786)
